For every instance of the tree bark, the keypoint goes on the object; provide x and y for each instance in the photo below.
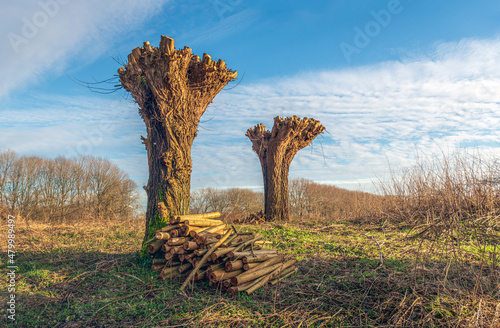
(276, 150)
(173, 88)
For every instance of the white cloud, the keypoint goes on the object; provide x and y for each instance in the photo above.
(41, 37)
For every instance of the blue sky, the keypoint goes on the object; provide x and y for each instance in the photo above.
(388, 79)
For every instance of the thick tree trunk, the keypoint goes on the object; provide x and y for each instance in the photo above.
(169, 162)
(173, 88)
(276, 150)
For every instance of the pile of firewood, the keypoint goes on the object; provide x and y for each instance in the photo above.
(200, 247)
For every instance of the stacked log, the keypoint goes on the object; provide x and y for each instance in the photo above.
(198, 246)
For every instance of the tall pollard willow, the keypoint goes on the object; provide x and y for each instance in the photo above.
(173, 89)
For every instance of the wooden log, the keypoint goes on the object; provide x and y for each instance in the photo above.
(200, 252)
(171, 227)
(175, 249)
(233, 265)
(258, 252)
(171, 263)
(174, 233)
(162, 235)
(259, 258)
(204, 216)
(190, 245)
(275, 273)
(155, 246)
(200, 275)
(252, 275)
(221, 274)
(165, 248)
(285, 274)
(218, 228)
(194, 231)
(220, 252)
(271, 261)
(260, 267)
(177, 241)
(185, 267)
(214, 267)
(209, 239)
(242, 287)
(201, 222)
(167, 271)
(204, 259)
(249, 266)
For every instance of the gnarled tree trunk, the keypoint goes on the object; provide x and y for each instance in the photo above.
(276, 150)
(173, 88)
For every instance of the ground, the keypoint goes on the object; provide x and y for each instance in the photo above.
(350, 274)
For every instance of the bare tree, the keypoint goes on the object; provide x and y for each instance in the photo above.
(276, 150)
(173, 88)
(7, 162)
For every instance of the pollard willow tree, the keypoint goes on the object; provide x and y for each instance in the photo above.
(276, 150)
(173, 88)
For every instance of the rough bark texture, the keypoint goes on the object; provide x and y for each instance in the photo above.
(276, 150)
(173, 89)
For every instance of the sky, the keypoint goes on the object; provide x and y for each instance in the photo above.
(389, 80)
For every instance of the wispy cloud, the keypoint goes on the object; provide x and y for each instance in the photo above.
(42, 37)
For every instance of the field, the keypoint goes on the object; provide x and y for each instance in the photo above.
(351, 274)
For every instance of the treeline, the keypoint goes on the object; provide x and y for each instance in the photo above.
(311, 200)
(308, 201)
(234, 203)
(64, 189)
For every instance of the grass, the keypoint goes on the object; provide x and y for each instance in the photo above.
(92, 276)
